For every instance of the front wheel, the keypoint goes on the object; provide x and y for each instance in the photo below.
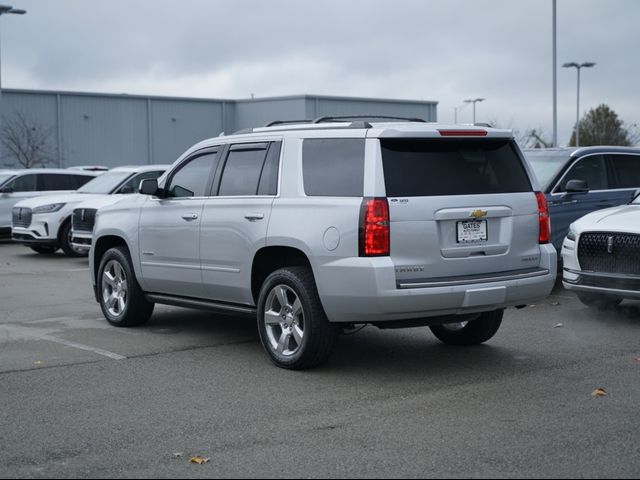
(599, 302)
(66, 245)
(475, 332)
(121, 299)
(294, 330)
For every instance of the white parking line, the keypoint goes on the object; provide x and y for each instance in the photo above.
(27, 333)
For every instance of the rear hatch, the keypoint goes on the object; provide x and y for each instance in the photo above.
(460, 208)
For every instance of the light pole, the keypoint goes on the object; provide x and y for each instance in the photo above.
(474, 101)
(578, 67)
(5, 9)
(455, 113)
(555, 72)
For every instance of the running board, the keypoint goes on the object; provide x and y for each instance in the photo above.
(224, 308)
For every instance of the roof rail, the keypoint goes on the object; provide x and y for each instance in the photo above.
(287, 122)
(366, 117)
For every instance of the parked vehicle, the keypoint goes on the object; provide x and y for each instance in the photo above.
(90, 168)
(44, 223)
(602, 256)
(18, 185)
(578, 182)
(317, 227)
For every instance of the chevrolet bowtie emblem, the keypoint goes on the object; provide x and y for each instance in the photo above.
(479, 214)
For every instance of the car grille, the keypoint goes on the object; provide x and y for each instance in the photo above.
(21, 217)
(84, 220)
(610, 253)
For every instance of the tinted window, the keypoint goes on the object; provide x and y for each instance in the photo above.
(592, 170)
(82, 180)
(25, 183)
(426, 168)
(242, 171)
(333, 167)
(133, 185)
(48, 182)
(193, 178)
(627, 168)
(269, 178)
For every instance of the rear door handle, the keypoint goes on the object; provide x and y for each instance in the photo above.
(191, 217)
(254, 217)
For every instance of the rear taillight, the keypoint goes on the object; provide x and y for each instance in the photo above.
(545, 219)
(375, 231)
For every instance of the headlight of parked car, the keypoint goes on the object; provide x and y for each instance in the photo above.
(51, 208)
(573, 234)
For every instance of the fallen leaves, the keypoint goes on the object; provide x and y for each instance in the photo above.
(198, 460)
(599, 392)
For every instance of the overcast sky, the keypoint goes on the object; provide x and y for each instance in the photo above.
(445, 50)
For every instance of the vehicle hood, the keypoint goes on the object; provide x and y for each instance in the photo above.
(68, 198)
(619, 219)
(101, 201)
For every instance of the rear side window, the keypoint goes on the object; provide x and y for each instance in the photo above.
(269, 178)
(48, 182)
(333, 167)
(627, 168)
(431, 168)
(243, 169)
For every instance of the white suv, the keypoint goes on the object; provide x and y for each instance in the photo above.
(18, 185)
(44, 223)
(318, 227)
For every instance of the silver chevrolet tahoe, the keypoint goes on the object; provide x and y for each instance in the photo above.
(316, 228)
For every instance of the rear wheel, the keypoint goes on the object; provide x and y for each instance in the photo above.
(599, 302)
(470, 333)
(294, 330)
(121, 299)
(65, 243)
(44, 250)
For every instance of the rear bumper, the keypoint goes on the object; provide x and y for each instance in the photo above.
(364, 290)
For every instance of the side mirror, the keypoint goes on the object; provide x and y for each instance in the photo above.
(6, 190)
(149, 186)
(577, 187)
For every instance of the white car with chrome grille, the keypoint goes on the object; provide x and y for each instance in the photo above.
(602, 256)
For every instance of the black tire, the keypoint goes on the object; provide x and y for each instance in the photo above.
(65, 242)
(475, 332)
(599, 302)
(44, 250)
(319, 335)
(137, 310)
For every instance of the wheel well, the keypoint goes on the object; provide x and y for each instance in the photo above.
(270, 259)
(103, 245)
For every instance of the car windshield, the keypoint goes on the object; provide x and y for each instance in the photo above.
(546, 165)
(4, 177)
(105, 183)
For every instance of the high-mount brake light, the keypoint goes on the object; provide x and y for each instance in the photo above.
(463, 133)
(545, 219)
(375, 229)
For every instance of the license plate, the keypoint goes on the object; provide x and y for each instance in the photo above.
(473, 231)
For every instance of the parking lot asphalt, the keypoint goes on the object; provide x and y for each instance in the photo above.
(79, 398)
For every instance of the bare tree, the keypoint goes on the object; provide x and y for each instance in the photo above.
(27, 142)
(529, 138)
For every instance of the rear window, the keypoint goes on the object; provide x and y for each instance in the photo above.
(333, 167)
(431, 168)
